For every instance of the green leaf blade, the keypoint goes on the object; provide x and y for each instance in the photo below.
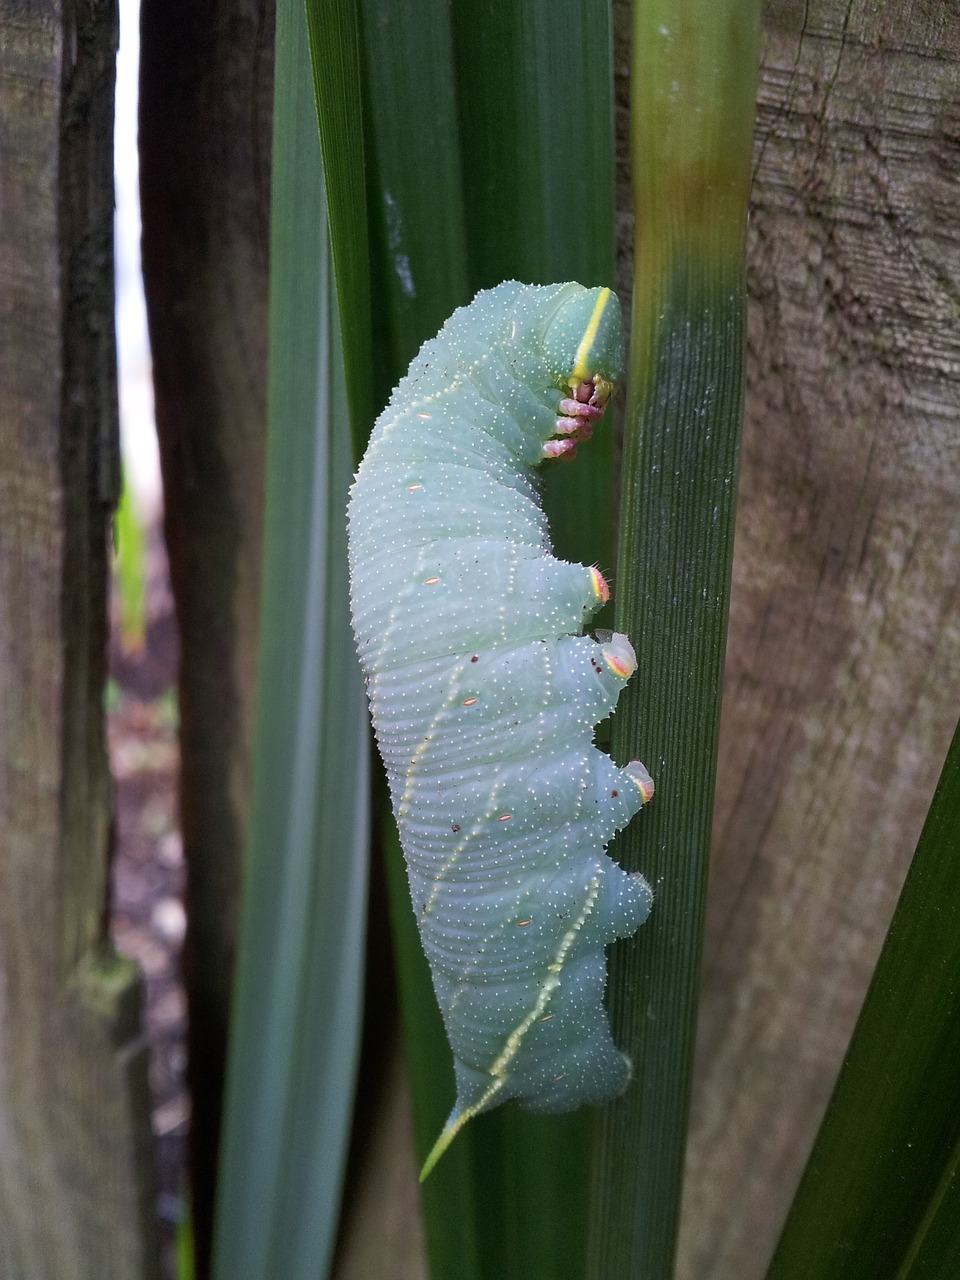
(334, 36)
(536, 111)
(535, 86)
(508, 1198)
(419, 270)
(296, 1017)
(692, 109)
(419, 258)
(880, 1192)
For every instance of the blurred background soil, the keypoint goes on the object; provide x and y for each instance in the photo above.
(147, 913)
(147, 884)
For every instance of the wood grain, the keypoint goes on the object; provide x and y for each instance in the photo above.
(76, 1183)
(843, 671)
(206, 108)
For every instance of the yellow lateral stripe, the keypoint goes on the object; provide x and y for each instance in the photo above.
(550, 984)
(453, 1127)
(499, 1068)
(589, 336)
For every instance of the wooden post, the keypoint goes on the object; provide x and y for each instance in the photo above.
(842, 676)
(206, 107)
(76, 1181)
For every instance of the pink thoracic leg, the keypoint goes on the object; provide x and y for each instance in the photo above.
(578, 413)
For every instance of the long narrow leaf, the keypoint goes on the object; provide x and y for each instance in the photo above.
(535, 84)
(509, 1197)
(419, 258)
(295, 1029)
(418, 266)
(535, 90)
(334, 34)
(881, 1193)
(694, 70)
(935, 1249)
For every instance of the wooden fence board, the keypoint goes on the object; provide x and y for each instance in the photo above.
(76, 1182)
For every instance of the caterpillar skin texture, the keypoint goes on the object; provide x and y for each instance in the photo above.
(485, 694)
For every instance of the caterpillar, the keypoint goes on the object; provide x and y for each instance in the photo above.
(484, 694)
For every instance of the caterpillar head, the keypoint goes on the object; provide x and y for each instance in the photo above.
(583, 342)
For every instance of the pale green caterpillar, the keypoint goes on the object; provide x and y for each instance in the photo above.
(484, 694)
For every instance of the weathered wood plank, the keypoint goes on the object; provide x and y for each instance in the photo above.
(206, 108)
(76, 1185)
(843, 674)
